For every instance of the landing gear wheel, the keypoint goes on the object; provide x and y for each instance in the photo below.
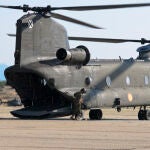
(95, 114)
(147, 114)
(91, 114)
(142, 114)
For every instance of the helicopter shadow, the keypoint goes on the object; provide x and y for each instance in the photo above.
(69, 120)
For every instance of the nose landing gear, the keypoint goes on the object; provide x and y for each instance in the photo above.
(142, 115)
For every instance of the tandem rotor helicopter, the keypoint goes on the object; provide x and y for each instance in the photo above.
(47, 73)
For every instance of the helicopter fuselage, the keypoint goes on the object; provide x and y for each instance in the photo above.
(105, 81)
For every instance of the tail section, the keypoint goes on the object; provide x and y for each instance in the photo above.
(38, 38)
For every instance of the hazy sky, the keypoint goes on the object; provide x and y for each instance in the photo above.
(133, 23)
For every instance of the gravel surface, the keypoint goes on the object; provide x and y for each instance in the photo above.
(117, 131)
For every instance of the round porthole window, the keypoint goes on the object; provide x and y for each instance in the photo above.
(88, 80)
(128, 80)
(146, 80)
(108, 81)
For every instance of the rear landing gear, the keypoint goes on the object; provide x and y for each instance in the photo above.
(95, 114)
(147, 114)
(144, 114)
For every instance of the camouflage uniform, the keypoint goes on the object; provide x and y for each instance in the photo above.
(76, 106)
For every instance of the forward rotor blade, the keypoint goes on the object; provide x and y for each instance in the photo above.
(142, 41)
(66, 18)
(101, 7)
(26, 8)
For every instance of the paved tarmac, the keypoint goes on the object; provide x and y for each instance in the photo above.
(117, 131)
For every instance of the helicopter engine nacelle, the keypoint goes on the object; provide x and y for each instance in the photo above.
(79, 55)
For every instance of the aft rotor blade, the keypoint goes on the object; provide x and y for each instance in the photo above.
(101, 7)
(11, 7)
(66, 18)
(142, 41)
(25, 8)
(9, 34)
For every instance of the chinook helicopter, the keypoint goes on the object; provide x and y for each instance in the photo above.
(47, 73)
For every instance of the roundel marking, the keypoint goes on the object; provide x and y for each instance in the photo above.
(130, 97)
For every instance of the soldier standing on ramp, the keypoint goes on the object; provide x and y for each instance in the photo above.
(77, 104)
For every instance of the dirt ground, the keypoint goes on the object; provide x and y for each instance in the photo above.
(117, 131)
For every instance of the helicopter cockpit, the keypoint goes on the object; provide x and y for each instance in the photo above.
(144, 52)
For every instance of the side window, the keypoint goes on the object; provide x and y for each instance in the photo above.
(128, 81)
(88, 80)
(108, 81)
(146, 80)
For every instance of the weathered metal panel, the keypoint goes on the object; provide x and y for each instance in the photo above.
(40, 38)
